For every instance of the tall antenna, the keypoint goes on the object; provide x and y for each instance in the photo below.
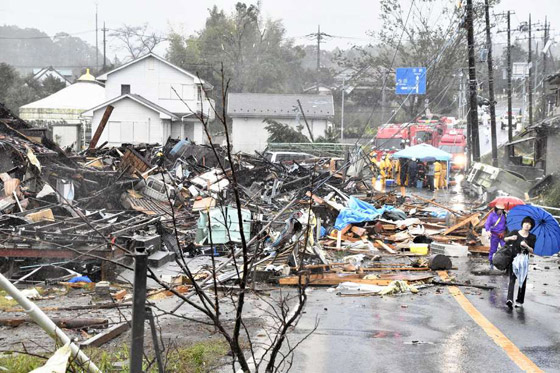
(96, 42)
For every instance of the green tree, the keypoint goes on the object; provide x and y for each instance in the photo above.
(16, 91)
(423, 34)
(8, 78)
(281, 132)
(51, 85)
(255, 53)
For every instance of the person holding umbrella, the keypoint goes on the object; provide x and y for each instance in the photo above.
(496, 227)
(523, 243)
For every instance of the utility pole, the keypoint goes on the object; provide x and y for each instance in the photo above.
(510, 109)
(491, 88)
(320, 36)
(138, 310)
(96, 42)
(342, 113)
(473, 112)
(318, 55)
(530, 83)
(545, 50)
(104, 48)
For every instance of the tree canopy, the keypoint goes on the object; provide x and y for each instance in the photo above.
(255, 53)
(16, 91)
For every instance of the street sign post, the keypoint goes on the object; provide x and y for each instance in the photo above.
(410, 81)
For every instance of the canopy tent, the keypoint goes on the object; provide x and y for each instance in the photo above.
(423, 152)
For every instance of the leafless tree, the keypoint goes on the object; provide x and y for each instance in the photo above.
(137, 40)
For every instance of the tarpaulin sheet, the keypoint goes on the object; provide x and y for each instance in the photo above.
(358, 211)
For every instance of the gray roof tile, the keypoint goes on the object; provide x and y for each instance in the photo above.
(279, 105)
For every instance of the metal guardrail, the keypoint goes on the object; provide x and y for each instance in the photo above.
(319, 149)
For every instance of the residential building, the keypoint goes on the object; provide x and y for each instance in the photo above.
(61, 111)
(152, 100)
(248, 112)
(64, 75)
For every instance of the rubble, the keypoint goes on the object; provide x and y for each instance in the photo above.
(83, 214)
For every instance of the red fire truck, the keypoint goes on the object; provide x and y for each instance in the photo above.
(391, 137)
(455, 142)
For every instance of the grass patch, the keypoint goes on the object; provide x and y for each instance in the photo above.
(16, 362)
(6, 303)
(197, 358)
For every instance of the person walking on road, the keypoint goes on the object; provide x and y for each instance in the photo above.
(523, 243)
(496, 227)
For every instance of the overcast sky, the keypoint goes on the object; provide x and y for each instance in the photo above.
(348, 21)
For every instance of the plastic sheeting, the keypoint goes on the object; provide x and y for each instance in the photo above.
(358, 211)
(520, 268)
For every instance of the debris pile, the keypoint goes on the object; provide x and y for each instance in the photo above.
(70, 219)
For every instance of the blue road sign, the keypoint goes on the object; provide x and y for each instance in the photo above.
(411, 81)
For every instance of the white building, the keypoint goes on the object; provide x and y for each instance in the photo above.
(61, 111)
(152, 100)
(64, 75)
(248, 112)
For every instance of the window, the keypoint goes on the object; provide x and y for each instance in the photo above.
(125, 89)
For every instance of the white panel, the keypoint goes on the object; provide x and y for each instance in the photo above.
(164, 90)
(113, 130)
(141, 132)
(127, 131)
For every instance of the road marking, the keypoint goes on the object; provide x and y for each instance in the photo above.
(514, 353)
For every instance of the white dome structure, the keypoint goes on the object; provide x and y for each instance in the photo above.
(67, 104)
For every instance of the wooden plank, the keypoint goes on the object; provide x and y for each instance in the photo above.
(460, 224)
(479, 249)
(358, 231)
(330, 279)
(385, 247)
(483, 220)
(315, 198)
(373, 269)
(437, 204)
(104, 337)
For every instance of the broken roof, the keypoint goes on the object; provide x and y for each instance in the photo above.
(279, 105)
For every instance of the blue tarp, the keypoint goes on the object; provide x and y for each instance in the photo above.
(358, 212)
(422, 152)
(79, 279)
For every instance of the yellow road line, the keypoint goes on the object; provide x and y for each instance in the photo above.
(518, 357)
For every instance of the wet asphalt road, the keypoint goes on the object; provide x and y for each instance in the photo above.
(429, 331)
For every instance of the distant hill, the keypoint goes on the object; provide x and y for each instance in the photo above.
(30, 48)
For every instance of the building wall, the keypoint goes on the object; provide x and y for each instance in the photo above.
(188, 128)
(67, 135)
(131, 122)
(50, 114)
(552, 154)
(155, 80)
(250, 134)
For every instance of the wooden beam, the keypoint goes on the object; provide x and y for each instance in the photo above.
(104, 337)
(460, 224)
(436, 204)
(101, 127)
(385, 247)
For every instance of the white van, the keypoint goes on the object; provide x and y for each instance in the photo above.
(287, 157)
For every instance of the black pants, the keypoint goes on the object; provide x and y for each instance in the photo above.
(511, 288)
(431, 182)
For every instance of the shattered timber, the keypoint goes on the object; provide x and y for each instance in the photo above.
(209, 243)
